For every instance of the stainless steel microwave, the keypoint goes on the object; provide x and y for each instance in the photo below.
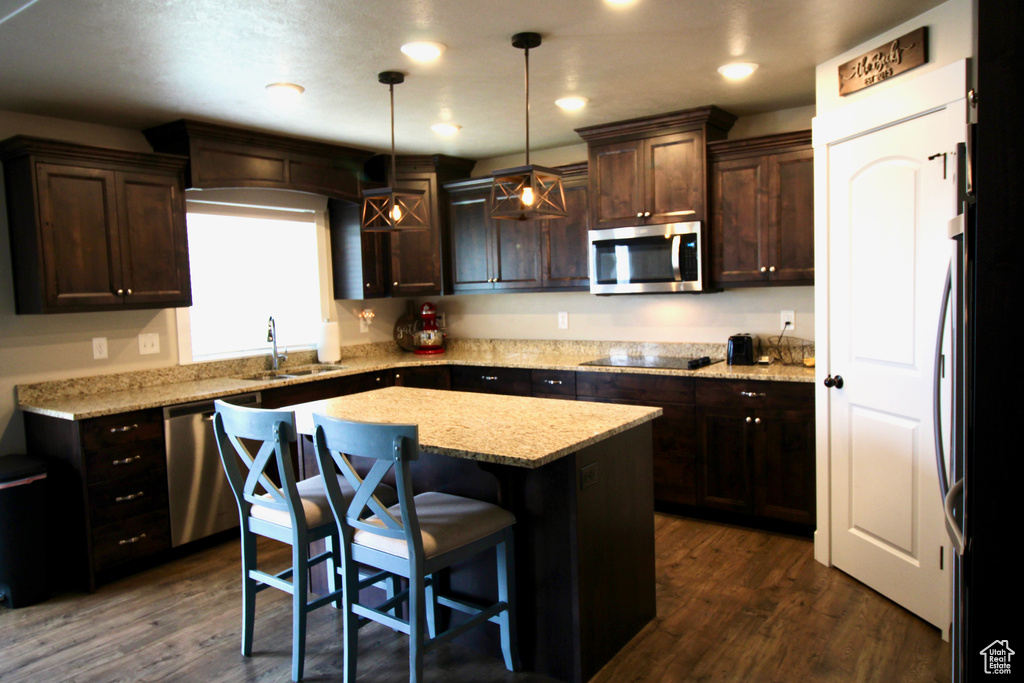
(648, 258)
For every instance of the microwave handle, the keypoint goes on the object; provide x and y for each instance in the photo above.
(675, 258)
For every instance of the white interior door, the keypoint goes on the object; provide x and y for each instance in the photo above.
(888, 252)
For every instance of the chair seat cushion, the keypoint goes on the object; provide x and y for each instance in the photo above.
(314, 502)
(446, 522)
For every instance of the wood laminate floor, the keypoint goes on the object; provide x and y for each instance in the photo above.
(733, 605)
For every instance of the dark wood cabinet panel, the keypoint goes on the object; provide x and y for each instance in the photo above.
(223, 156)
(564, 241)
(95, 229)
(491, 380)
(108, 479)
(416, 254)
(674, 178)
(652, 170)
(359, 260)
(516, 254)
(616, 183)
(762, 210)
(470, 240)
(553, 382)
(423, 377)
(673, 434)
(756, 448)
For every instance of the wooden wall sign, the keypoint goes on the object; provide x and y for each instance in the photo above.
(892, 59)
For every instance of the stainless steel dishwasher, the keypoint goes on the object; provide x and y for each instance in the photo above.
(201, 502)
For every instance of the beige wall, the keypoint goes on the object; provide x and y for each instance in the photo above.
(949, 39)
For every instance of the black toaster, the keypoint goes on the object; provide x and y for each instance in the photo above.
(742, 349)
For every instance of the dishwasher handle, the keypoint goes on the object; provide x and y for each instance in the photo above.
(207, 408)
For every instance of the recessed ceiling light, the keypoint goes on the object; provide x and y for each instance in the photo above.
(423, 50)
(572, 103)
(284, 92)
(445, 128)
(737, 70)
(620, 3)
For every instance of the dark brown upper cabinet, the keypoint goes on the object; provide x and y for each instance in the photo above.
(226, 157)
(651, 170)
(762, 211)
(95, 229)
(489, 255)
(375, 265)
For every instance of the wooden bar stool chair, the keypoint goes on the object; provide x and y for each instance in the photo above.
(295, 513)
(414, 539)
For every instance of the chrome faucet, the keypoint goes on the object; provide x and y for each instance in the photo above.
(272, 337)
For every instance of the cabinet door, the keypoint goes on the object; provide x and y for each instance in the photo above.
(154, 247)
(785, 466)
(470, 240)
(424, 377)
(416, 255)
(674, 178)
(516, 254)
(725, 468)
(564, 259)
(616, 184)
(789, 241)
(79, 237)
(739, 217)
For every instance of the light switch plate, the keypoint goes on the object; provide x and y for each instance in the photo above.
(149, 343)
(790, 317)
(563, 320)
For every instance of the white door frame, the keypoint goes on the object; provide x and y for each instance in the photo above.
(926, 93)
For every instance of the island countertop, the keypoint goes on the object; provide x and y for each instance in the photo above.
(505, 430)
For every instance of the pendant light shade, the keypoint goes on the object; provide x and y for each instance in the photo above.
(527, 192)
(390, 209)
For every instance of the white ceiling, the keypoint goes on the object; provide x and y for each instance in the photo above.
(139, 63)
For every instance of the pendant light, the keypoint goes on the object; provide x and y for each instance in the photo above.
(391, 209)
(527, 192)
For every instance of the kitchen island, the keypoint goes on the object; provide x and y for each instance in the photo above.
(577, 476)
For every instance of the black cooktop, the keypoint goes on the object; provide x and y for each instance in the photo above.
(659, 362)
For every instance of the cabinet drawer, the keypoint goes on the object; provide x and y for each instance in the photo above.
(616, 385)
(557, 382)
(122, 429)
(487, 380)
(130, 539)
(125, 462)
(755, 394)
(122, 498)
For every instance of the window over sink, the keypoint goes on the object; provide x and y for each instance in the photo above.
(254, 254)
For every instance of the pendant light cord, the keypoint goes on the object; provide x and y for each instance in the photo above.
(526, 51)
(391, 88)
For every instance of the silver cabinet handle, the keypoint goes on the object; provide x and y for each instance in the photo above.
(367, 284)
(130, 496)
(133, 539)
(128, 291)
(763, 269)
(122, 430)
(489, 378)
(771, 269)
(753, 394)
(647, 214)
(120, 292)
(552, 381)
(639, 214)
(748, 420)
(379, 379)
(757, 420)
(126, 461)
(395, 283)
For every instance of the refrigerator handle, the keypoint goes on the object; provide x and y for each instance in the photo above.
(956, 535)
(940, 453)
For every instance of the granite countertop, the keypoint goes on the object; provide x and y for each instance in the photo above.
(87, 397)
(485, 427)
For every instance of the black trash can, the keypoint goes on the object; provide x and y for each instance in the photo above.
(23, 540)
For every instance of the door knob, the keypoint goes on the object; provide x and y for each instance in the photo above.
(836, 381)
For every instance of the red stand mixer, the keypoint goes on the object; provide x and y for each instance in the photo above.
(430, 339)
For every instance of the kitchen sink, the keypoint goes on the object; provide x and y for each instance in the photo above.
(292, 373)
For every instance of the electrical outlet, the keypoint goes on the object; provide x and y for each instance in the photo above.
(99, 348)
(788, 317)
(563, 320)
(149, 343)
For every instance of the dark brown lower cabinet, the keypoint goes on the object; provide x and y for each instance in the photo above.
(108, 493)
(488, 380)
(423, 377)
(756, 448)
(673, 433)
